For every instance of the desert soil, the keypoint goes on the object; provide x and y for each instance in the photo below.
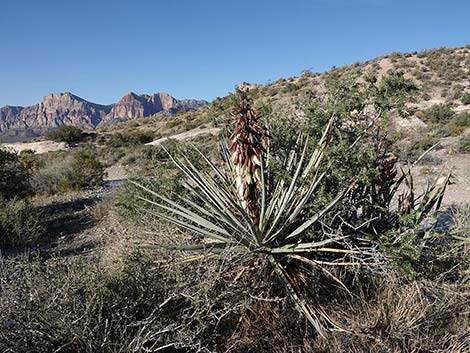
(186, 135)
(37, 147)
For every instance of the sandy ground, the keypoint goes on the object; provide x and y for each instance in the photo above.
(186, 135)
(458, 192)
(37, 147)
(115, 173)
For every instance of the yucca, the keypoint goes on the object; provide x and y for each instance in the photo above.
(236, 208)
(249, 141)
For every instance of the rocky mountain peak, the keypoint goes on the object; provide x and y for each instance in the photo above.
(134, 106)
(65, 108)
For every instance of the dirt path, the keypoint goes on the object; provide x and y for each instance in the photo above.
(37, 147)
(458, 192)
(186, 135)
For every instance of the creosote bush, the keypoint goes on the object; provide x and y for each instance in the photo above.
(14, 176)
(64, 172)
(465, 99)
(438, 113)
(20, 223)
(66, 133)
(138, 137)
(464, 144)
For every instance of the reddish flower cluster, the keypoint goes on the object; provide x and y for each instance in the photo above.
(248, 141)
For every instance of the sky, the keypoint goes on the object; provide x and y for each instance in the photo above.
(100, 50)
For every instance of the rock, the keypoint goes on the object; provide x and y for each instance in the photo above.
(9, 323)
(56, 110)
(133, 106)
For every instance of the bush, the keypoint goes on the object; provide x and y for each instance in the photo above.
(438, 113)
(69, 172)
(464, 144)
(465, 99)
(20, 223)
(14, 176)
(128, 138)
(66, 133)
(462, 119)
(419, 143)
(454, 127)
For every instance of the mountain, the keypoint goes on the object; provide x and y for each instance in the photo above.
(59, 109)
(8, 116)
(133, 106)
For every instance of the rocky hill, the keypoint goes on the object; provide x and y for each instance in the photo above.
(442, 76)
(133, 106)
(59, 109)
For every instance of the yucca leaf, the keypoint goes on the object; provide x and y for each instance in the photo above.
(304, 246)
(299, 230)
(262, 223)
(188, 226)
(192, 217)
(180, 210)
(317, 154)
(299, 303)
(289, 193)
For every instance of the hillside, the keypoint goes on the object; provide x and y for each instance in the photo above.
(442, 76)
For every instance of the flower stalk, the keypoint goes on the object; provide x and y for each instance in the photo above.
(248, 142)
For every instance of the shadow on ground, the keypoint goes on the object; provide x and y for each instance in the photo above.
(65, 223)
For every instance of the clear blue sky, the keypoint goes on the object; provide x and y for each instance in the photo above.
(102, 49)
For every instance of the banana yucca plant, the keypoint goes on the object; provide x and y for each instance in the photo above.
(241, 205)
(238, 207)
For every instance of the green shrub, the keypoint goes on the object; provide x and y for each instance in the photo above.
(20, 223)
(464, 144)
(465, 99)
(419, 143)
(66, 133)
(449, 129)
(14, 176)
(438, 113)
(69, 172)
(462, 120)
(128, 138)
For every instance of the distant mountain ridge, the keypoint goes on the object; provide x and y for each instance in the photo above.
(58, 109)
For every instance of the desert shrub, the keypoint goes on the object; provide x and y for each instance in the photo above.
(462, 120)
(138, 137)
(465, 99)
(418, 144)
(75, 306)
(449, 129)
(20, 223)
(438, 113)
(463, 145)
(68, 172)
(454, 127)
(290, 87)
(66, 133)
(14, 176)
